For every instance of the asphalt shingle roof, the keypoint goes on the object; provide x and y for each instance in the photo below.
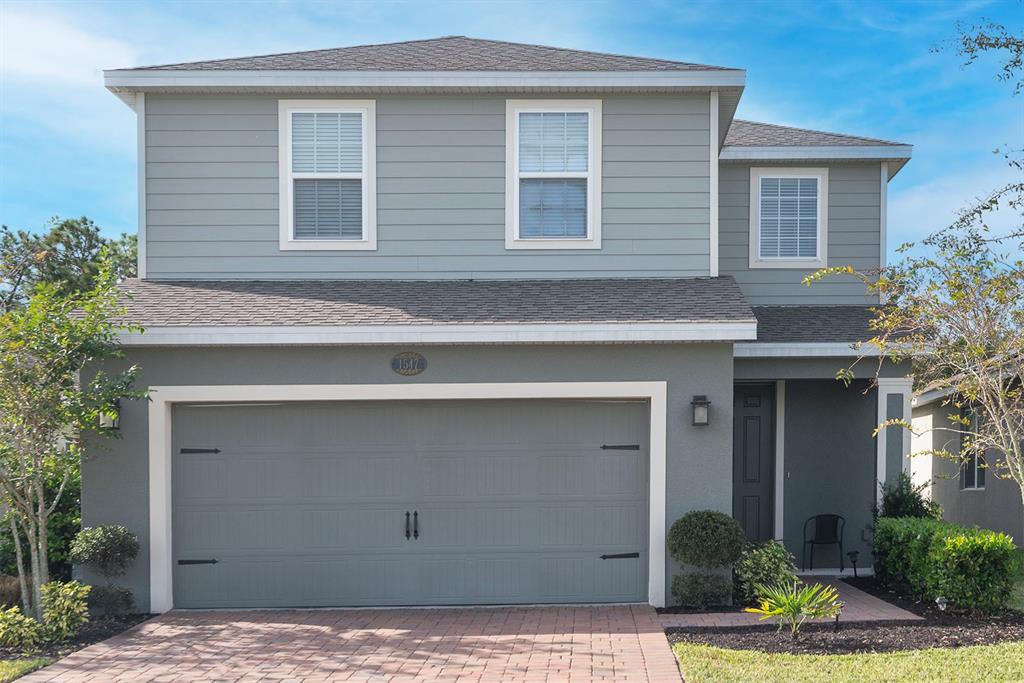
(450, 53)
(753, 134)
(444, 302)
(808, 324)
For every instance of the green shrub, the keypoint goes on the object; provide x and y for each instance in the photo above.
(108, 550)
(767, 564)
(110, 601)
(970, 567)
(902, 499)
(19, 632)
(701, 590)
(65, 609)
(62, 524)
(794, 603)
(706, 539)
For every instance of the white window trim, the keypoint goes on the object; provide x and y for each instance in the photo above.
(368, 108)
(818, 261)
(975, 462)
(163, 398)
(593, 174)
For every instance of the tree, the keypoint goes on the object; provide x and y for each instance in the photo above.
(957, 312)
(66, 255)
(49, 399)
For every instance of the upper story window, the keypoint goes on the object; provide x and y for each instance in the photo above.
(553, 174)
(788, 217)
(328, 169)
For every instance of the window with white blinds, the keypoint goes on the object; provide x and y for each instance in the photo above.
(553, 163)
(327, 183)
(788, 216)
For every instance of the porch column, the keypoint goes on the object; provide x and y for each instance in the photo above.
(892, 443)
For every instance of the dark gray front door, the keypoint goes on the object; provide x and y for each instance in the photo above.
(305, 505)
(753, 471)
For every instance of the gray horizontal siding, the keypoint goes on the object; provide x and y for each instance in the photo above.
(853, 237)
(212, 186)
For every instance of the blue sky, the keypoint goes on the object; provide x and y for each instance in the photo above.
(67, 147)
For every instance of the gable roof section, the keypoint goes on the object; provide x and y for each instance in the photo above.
(449, 53)
(446, 311)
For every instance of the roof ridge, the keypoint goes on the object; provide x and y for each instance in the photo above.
(438, 39)
(820, 132)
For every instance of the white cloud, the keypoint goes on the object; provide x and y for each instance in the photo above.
(38, 47)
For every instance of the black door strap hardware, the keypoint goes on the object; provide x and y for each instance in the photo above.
(197, 561)
(407, 534)
(199, 450)
(620, 556)
(416, 524)
(620, 447)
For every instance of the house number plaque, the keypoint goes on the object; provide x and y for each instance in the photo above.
(408, 363)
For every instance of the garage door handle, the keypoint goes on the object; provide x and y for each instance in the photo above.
(416, 524)
(407, 534)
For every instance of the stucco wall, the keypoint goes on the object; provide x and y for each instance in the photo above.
(699, 467)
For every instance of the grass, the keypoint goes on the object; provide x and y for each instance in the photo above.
(16, 668)
(706, 664)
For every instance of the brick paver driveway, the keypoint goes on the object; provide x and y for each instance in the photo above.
(620, 643)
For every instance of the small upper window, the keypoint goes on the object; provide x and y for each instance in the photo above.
(553, 179)
(327, 179)
(788, 217)
(972, 470)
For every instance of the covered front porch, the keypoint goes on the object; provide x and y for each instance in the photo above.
(807, 468)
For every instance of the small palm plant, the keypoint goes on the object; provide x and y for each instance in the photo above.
(794, 604)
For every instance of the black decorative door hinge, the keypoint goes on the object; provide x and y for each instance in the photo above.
(620, 556)
(620, 447)
(200, 450)
(197, 561)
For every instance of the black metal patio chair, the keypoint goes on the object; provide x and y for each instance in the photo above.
(827, 530)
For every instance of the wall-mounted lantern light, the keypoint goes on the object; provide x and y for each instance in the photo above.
(111, 418)
(701, 406)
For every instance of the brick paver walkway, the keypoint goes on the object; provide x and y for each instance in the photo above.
(517, 644)
(858, 606)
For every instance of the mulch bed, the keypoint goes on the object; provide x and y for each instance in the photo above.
(98, 628)
(938, 629)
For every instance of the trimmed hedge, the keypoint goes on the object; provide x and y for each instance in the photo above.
(970, 567)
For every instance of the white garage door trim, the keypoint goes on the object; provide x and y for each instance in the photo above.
(162, 398)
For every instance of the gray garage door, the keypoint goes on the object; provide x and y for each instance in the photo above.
(410, 503)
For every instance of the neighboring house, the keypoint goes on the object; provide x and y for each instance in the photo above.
(969, 492)
(433, 322)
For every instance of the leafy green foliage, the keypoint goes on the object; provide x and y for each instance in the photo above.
(794, 603)
(67, 256)
(766, 564)
(701, 590)
(110, 601)
(706, 539)
(51, 399)
(970, 567)
(65, 609)
(19, 632)
(902, 499)
(109, 550)
(62, 524)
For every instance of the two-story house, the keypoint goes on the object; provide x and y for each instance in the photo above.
(461, 321)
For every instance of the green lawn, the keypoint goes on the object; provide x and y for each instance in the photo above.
(704, 664)
(15, 668)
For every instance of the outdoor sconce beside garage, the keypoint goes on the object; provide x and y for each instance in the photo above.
(111, 418)
(701, 406)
